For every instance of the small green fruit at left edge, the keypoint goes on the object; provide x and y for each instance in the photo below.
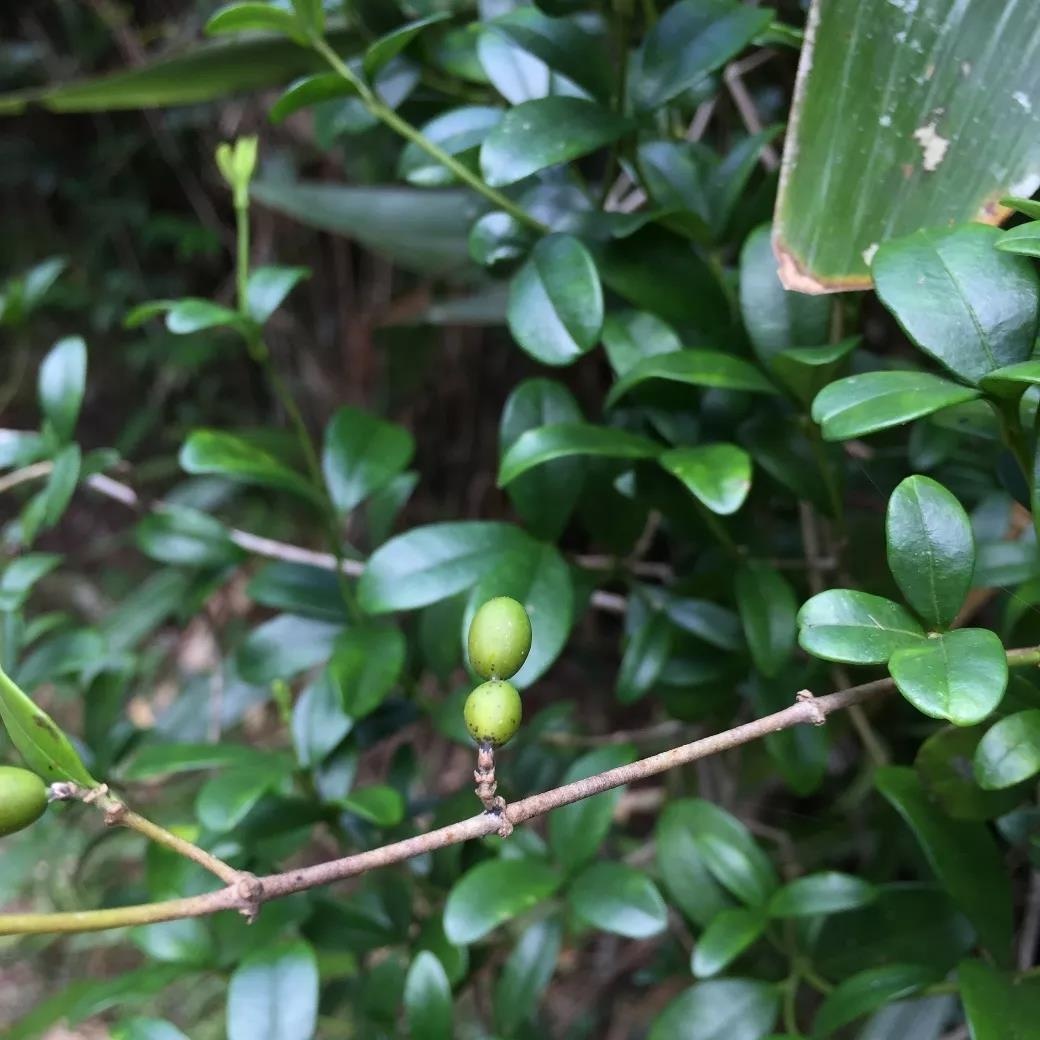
(23, 799)
(499, 638)
(493, 712)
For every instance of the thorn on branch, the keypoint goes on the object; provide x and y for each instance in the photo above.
(816, 715)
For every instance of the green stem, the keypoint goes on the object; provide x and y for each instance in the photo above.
(385, 114)
(790, 987)
(242, 257)
(1015, 438)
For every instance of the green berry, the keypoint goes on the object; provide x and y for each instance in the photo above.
(23, 799)
(493, 712)
(499, 638)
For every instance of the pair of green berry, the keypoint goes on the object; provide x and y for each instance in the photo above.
(23, 799)
(499, 642)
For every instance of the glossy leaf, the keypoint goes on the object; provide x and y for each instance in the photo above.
(619, 899)
(931, 549)
(62, 380)
(456, 132)
(285, 646)
(319, 721)
(1010, 752)
(556, 301)
(427, 999)
(768, 610)
(1012, 379)
(494, 892)
(717, 475)
(256, 17)
(867, 403)
(227, 798)
(868, 991)
(963, 856)
(310, 90)
(998, 1007)
(186, 537)
(720, 1009)
(646, 653)
(856, 627)
(631, 336)
(268, 287)
(273, 995)
(807, 370)
(527, 972)
(386, 48)
(959, 676)
(298, 588)
(1023, 240)
(365, 663)
(725, 939)
(825, 893)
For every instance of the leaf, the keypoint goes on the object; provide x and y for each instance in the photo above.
(646, 653)
(717, 475)
(427, 999)
(298, 588)
(931, 549)
(380, 805)
(285, 646)
(456, 132)
(366, 662)
(1023, 240)
(903, 163)
(62, 380)
(775, 318)
(186, 537)
(273, 995)
(963, 856)
(61, 483)
(268, 287)
(44, 747)
(998, 1006)
(544, 497)
(631, 336)
(857, 405)
(387, 47)
(154, 760)
(497, 239)
(563, 440)
(21, 574)
(433, 562)
(494, 892)
(231, 456)
(1010, 752)
(362, 454)
(256, 17)
(768, 610)
(544, 132)
(972, 308)
(527, 972)
(556, 302)
(709, 368)
(725, 939)
(826, 893)
(619, 899)
(868, 991)
(310, 90)
(690, 40)
(190, 315)
(708, 621)
(227, 798)
(855, 627)
(319, 723)
(959, 676)
(807, 370)
(1012, 379)
(720, 1009)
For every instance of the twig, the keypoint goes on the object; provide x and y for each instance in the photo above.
(749, 114)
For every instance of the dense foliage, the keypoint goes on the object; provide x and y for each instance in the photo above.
(259, 478)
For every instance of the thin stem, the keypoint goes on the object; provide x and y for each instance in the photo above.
(385, 114)
(242, 257)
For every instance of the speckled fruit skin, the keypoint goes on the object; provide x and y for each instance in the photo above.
(493, 712)
(499, 638)
(23, 799)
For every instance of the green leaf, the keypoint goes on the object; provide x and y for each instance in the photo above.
(186, 537)
(1012, 379)
(931, 549)
(708, 621)
(498, 239)
(527, 972)
(386, 48)
(826, 893)
(868, 991)
(456, 132)
(285, 646)
(963, 856)
(193, 315)
(556, 301)
(720, 1009)
(998, 1006)
(856, 627)
(227, 798)
(494, 892)
(1010, 752)
(690, 40)
(969, 306)
(619, 899)
(709, 368)
(1023, 240)
(427, 999)
(366, 662)
(775, 318)
(959, 676)
(256, 17)
(298, 588)
(37, 738)
(564, 440)
(867, 403)
(725, 939)
(576, 831)
(807, 370)
(362, 454)
(631, 336)
(544, 497)
(544, 132)
(380, 805)
(717, 475)
(147, 1029)
(319, 722)
(62, 380)
(768, 610)
(431, 563)
(61, 483)
(268, 287)
(21, 574)
(730, 853)
(231, 456)
(273, 995)
(310, 90)
(646, 653)
(155, 760)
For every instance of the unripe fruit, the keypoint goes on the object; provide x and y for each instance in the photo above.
(23, 799)
(499, 638)
(493, 712)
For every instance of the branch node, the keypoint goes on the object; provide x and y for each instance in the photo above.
(816, 715)
(94, 794)
(250, 891)
(487, 785)
(63, 791)
(115, 813)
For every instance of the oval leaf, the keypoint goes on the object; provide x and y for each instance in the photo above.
(1010, 752)
(695, 368)
(273, 995)
(721, 1009)
(768, 611)
(826, 893)
(427, 999)
(617, 898)
(725, 939)
(855, 627)
(717, 475)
